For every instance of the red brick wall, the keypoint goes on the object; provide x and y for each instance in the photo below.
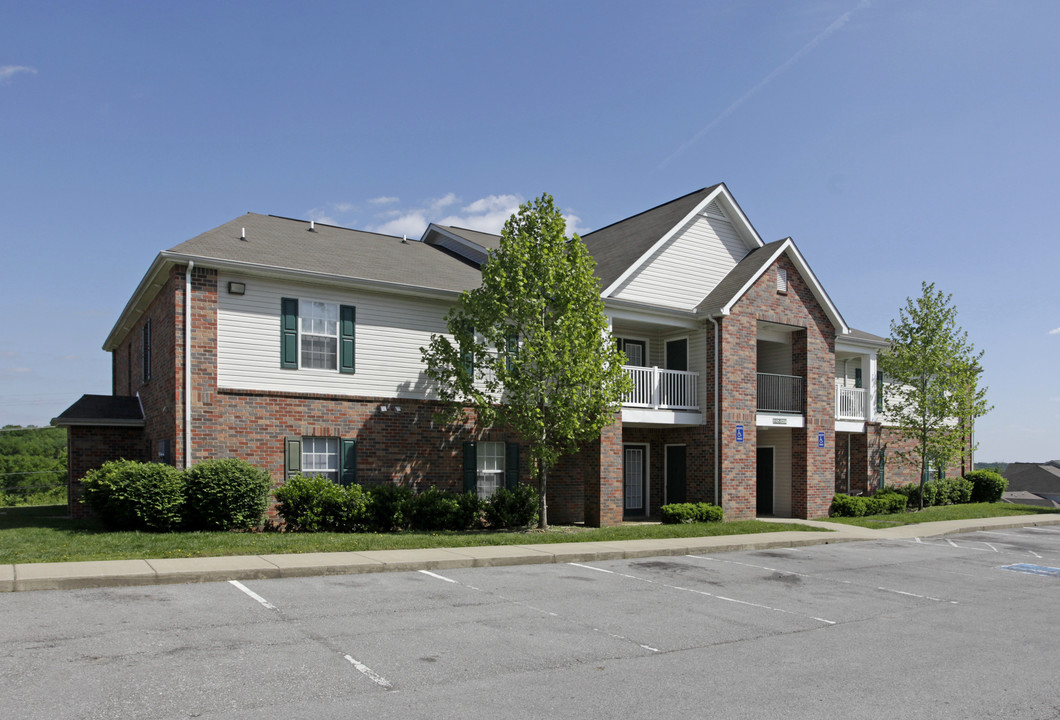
(813, 357)
(90, 447)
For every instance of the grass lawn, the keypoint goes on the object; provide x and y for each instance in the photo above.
(45, 534)
(944, 512)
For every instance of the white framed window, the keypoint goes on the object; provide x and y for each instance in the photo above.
(320, 457)
(319, 328)
(489, 468)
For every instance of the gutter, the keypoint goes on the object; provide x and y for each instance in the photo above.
(187, 364)
(717, 430)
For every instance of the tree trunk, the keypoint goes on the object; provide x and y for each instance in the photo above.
(542, 521)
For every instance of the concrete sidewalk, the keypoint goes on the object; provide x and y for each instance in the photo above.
(114, 573)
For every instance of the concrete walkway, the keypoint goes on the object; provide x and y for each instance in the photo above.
(113, 573)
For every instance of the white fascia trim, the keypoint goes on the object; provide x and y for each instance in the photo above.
(719, 193)
(627, 310)
(848, 343)
(145, 292)
(455, 238)
(807, 274)
(312, 276)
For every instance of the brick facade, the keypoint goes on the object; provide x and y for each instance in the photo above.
(88, 447)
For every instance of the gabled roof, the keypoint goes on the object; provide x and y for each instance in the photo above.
(103, 410)
(621, 248)
(485, 240)
(282, 243)
(740, 279)
(472, 245)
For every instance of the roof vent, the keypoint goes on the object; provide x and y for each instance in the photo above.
(405, 239)
(312, 227)
(243, 234)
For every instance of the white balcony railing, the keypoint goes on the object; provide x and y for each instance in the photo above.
(662, 389)
(851, 403)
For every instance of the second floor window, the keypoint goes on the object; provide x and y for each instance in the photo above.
(319, 335)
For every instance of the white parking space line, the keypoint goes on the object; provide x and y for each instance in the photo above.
(1034, 553)
(1044, 530)
(704, 593)
(438, 577)
(370, 674)
(820, 577)
(265, 603)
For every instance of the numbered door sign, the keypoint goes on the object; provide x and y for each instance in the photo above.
(739, 433)
(820, 439)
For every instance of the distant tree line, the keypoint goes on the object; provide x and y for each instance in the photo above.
(32, 464)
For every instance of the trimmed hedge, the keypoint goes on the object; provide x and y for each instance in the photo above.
(130, 495)
(513, 508)
(436, 509)
(987, 485)
(225, 494)
(676, 513)
(316, 504)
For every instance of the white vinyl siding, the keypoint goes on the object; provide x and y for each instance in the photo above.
(688, 266)
(780, 439)
(391, 329)
(656, 357)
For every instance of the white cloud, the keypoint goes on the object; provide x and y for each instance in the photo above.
(9, 71)
(411, 223)
(384, 200)
(486, 214)
(1055, 331)
(18, 370)
(438, 204)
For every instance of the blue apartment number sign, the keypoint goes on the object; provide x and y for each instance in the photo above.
(820, 439)
(739, 433)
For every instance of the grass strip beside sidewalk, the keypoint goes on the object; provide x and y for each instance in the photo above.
(969, 511)
(44, 534)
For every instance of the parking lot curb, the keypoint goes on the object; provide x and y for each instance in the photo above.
(119, 573)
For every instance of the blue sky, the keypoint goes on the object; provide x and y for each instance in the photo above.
(896, 141)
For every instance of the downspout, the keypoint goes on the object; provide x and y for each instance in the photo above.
(187, 364)
(717, 430)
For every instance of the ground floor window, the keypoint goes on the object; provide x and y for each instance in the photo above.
(331, 457)
(489, 465)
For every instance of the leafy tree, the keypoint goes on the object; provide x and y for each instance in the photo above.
(529, 349)
(932, 393)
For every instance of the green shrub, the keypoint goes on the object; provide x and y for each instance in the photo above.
(130, 495)
(676, 513)
(225, 494)
(437, 509)
(890, 501)
(847, 506)
(316, 504)
(388, 508)
(987, 485)
(512, 508)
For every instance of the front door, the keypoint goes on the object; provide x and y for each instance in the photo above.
(765, 481)
(675, 473)
(635, 480)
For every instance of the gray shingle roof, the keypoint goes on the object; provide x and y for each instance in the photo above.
(489, 241)
(102, 410)
(282, 243)
(619, 245)
(747, 268)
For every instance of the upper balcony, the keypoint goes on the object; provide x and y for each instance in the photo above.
(661, 389)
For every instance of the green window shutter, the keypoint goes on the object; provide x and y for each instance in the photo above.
(289, 333)
(879, 391)
(511, 465)
(857, 378)
(348, 461)
(470, 467)
(347, 338)
(292, 457)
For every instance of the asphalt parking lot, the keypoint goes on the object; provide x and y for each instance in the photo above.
(957, 626)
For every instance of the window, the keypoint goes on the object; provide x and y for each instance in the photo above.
(331, 457)
(635, 351)
(490, 465)
(489, 470)
(146, 357)
(782, 280)
(317, 335)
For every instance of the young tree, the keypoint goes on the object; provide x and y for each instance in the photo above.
(932, 392)
(530, 348)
